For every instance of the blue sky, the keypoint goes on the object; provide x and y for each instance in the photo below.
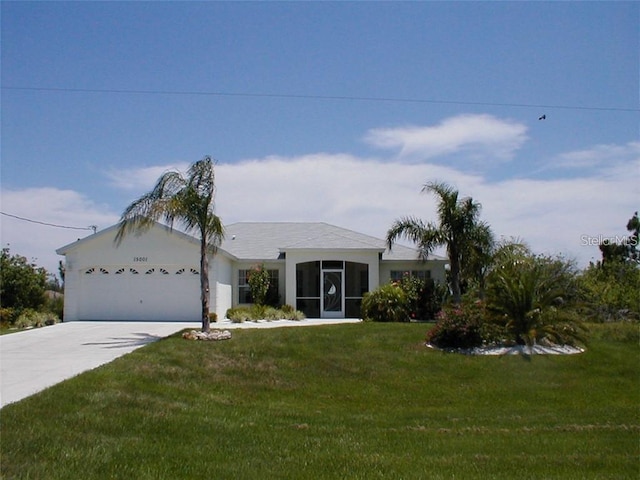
(335, 112)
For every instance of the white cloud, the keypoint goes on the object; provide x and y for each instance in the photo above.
(363, 194)
(368, 194)
(48, 205)
(478, 136)
(554, 216)
(141, 179)
(599, 155)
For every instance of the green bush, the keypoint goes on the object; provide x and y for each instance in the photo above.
(30, 318)
(55, 305)
(287, 309)
(458, 327)
(296, 315)
(535, 298)
(615, 331)
(259, 284)
(611, 291)
(238, 314)
(425, 297)
(388, 303)
(8, 316)
(261, 312)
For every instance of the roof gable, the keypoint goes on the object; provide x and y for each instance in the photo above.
(111, 232)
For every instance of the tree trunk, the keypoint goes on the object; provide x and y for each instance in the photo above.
(454, 260)
(204, 284)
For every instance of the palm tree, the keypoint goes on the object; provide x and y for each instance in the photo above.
(533, 296)
(458, 228)
(188, 200)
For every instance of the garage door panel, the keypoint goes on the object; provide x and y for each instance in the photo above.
(138, 296)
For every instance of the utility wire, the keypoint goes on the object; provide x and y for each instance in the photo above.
(91, 227)
(318, 97)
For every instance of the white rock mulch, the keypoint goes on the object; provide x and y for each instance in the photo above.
(213, 335)
(516, 350)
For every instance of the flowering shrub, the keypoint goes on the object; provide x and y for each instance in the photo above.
(458, 327)
(424, 297)
(388, 303)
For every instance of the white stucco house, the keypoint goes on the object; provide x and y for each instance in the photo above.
(320, 269)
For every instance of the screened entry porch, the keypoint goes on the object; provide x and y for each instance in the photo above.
(331, 288)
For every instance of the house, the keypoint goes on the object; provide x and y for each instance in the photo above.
(320, 269)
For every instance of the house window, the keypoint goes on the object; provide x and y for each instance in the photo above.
(398, 275)
(244, 291)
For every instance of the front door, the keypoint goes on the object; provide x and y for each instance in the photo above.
(332, 294)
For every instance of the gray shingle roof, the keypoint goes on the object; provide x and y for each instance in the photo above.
(267, 241)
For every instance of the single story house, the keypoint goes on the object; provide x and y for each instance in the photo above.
(320, 269)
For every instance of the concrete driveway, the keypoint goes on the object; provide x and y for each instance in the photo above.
(33, 360)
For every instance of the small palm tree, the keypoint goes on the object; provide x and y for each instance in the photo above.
(533, 296)
(458, 229)
(189, 200)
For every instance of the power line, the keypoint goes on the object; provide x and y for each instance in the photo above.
(318, 97)
(91, 227)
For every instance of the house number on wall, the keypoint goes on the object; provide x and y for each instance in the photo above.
(140, 259)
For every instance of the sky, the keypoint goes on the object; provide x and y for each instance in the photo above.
(336, 112)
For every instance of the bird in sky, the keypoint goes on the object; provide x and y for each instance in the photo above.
(543, 117)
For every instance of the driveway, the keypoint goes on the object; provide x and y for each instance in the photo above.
(33, 360)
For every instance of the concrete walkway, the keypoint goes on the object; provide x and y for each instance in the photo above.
(33, 360)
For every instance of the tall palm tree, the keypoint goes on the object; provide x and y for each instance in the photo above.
(458, 228)
(189, 200)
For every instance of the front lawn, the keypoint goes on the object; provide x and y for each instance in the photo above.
(358, 401)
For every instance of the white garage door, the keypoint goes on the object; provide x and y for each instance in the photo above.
(149, 293)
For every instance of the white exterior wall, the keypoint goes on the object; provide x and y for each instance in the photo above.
(436, 268)
(114, 292)
(220, 276)
(371, 258)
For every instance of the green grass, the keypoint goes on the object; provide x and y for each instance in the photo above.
(359, 401)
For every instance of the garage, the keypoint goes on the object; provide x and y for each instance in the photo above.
(150, 293)
(154, 276)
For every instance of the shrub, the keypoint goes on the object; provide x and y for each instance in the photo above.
(259, 284)
(8, 315)
(238, 314)
(388, 303)
(615, 331)
(534, 297)
(30, 318)
(458, 327)
(261, 312)
(55, 305)
(425, 297)
(287, 309)
(213, 317)
(296, 315)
